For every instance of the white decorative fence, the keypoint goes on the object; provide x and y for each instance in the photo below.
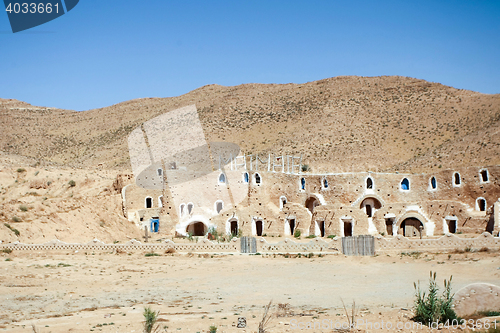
(203, 245)
(318, 245)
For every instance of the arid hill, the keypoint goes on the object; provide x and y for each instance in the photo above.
(337, 124)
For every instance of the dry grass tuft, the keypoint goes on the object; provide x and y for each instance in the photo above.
(266, 319)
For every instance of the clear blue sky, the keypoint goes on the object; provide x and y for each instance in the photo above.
(108, 51)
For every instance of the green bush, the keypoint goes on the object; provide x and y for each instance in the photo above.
(212, 231)
(72, 183)
(21, 170)
(297, 233)
(213, 329)
(331, 236)
(311, 236)
(62, 264)
(151, 254)
(432, 308)
(23, 208)
(490, 313)
(150, 318)
(16, 219)
(14, 230)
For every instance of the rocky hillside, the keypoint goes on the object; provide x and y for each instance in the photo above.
(39, 204)
(337, 124)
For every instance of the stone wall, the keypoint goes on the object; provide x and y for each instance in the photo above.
(382, 245)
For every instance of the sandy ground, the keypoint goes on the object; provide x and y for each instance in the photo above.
(105, 292)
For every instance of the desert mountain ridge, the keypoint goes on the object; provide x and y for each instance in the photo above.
(338, 124)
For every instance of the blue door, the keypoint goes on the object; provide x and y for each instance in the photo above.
(155, 225)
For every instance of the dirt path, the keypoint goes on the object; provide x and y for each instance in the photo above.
(54, 290)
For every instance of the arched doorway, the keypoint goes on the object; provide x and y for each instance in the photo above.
(290, 226)
(312, 203)
(155, 224)
(346, 226)
(196, 228)
(481, 204)
(234, 227)
(319, 229)
(411, 227)
(370, 205)
(259, 226)
(282, 201)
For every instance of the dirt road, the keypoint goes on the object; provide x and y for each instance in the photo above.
(81, 293)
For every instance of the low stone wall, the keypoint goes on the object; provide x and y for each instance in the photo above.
(448, 242)
(290, 246)
(203, 245)
(382, 245)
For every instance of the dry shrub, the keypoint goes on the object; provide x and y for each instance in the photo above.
(284, 310)
(170, 250)
(352, 317)
(266, 319)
